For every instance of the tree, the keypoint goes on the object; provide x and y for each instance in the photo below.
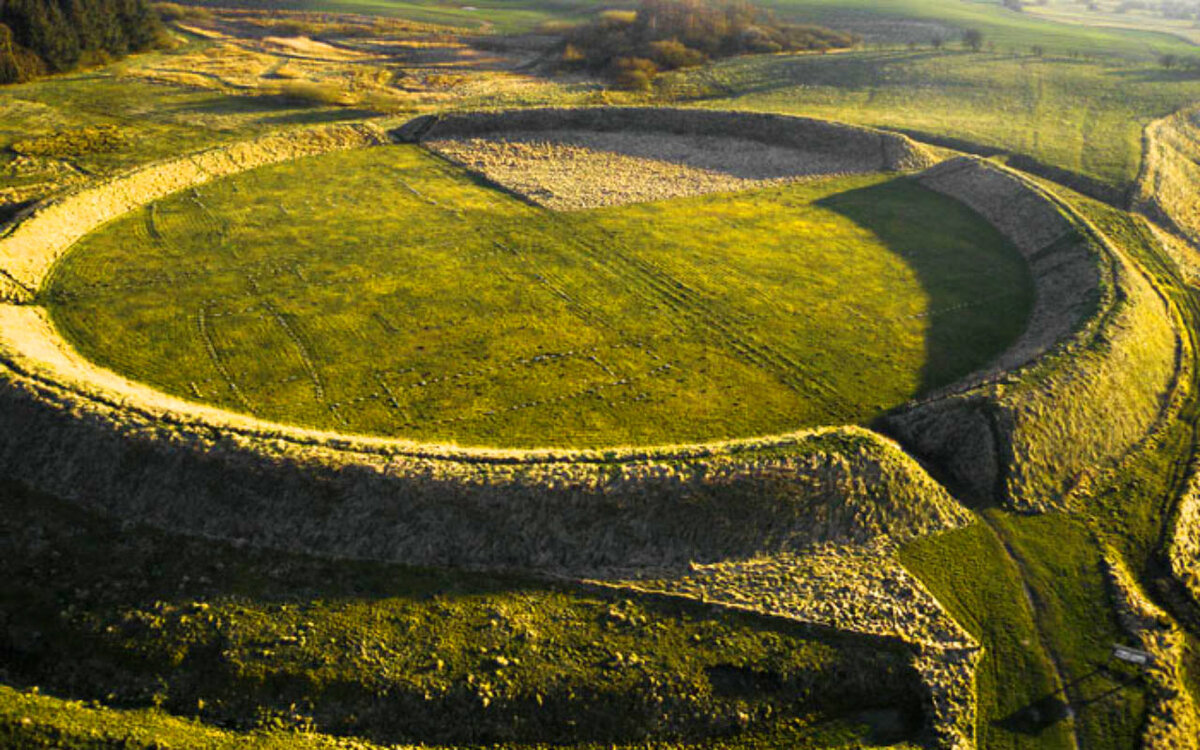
(58, 35)
(1168, 61)
(973, 38)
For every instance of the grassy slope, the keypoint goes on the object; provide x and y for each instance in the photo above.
(970, 575)
(135, 620)
(1106, 14)
(1082, 116)
(153, 120)
(1061, 562)
(1060, 554)
(1132, 509)
(998, 24)
(645, 323)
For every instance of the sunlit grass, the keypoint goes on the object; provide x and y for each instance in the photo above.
(386, 292)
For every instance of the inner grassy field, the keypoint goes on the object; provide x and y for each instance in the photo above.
(384, 291)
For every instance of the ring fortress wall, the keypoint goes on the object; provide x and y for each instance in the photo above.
(1086, 382)
(100, 439)
(859, 149)
(1024, 431)
(79, 431)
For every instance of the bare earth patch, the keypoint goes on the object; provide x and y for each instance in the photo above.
(570, 170)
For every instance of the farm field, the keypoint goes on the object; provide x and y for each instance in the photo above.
(401, 297)
(1082, 116)
(1118, 16)
(896, 20)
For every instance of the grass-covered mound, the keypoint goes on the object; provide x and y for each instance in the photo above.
(383, 291)
(1168, 187)
(1087, 382)
(245, 640)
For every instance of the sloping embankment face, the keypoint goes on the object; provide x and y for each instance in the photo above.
(88, 435)
(1085, 382)
(857, 148)
(1168, 189)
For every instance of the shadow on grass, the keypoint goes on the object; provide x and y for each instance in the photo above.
(1053, 708)
(979, 288)
(93, 610)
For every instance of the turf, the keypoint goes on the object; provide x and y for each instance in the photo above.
(385, 292)
(969, 573)
(154, 628)
(945, 17)
(1074, 114)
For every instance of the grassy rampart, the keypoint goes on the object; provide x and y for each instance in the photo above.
(873, 150)
(1083, 385)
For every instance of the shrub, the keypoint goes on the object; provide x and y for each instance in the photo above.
(177, 12)
(675, 34)
(315, 94)
(634, 73)
(671, 54)
(72, 143)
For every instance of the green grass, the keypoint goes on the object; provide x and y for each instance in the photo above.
(969, 573)
(951, 16)
(1127, 508)
(150, 626)
(399, 297)
(1081, 116)
(152, 121)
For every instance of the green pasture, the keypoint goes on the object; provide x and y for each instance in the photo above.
(153, 121)
(137, 639)
(1081, 116)
(384, 291)
(890, 21)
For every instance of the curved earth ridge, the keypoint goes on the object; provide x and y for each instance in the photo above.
(863, 149)
(89, 435)
(1089, 379)
(975, 431)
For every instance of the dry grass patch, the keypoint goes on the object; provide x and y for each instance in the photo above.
(576, 169)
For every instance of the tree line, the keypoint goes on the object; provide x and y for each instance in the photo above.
(631, 47)
(54, 36)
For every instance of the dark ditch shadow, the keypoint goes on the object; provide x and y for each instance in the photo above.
(1051, 708)
(956, 342)
(151, 593)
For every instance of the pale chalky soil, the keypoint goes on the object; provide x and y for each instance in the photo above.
(570, 170)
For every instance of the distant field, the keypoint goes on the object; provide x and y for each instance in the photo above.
(867, 16)
(382, 291)
(1085, 117)
(1108, 14)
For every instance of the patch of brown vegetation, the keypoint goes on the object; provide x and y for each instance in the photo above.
(576, 169)
(570, 159)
